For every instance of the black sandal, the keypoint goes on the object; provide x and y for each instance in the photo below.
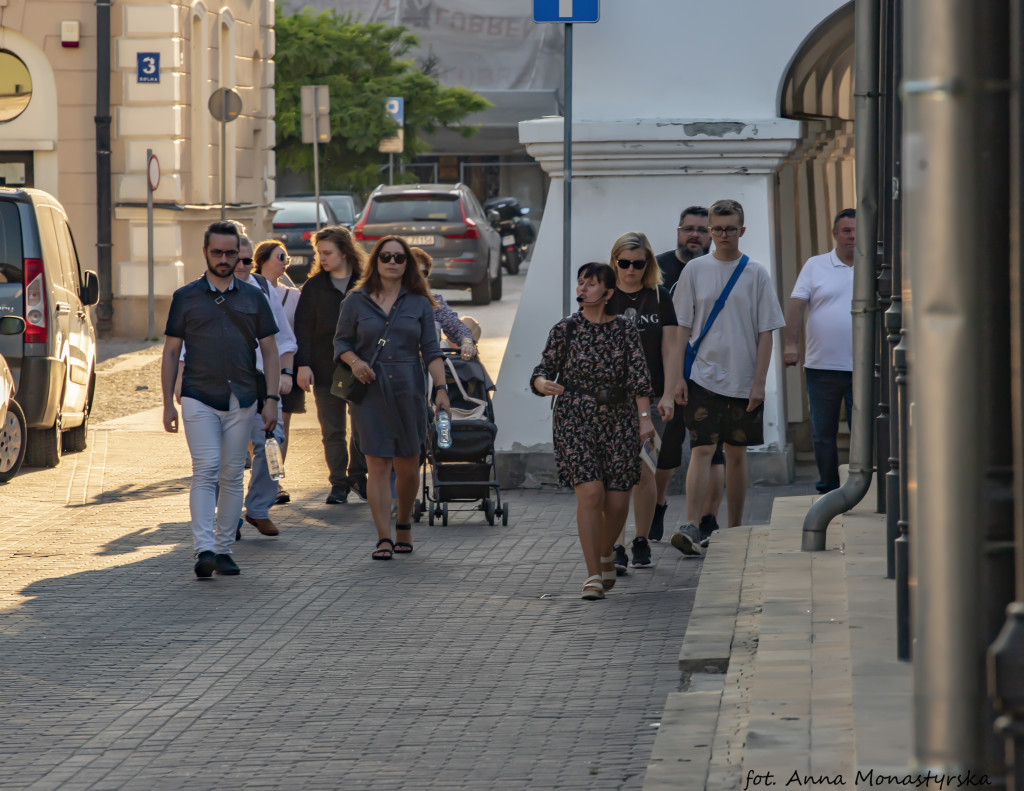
(402, 547)
(383, 554)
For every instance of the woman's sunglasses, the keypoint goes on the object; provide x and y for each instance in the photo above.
(386, 257)
(624, 264)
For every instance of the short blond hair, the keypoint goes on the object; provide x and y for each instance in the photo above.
(634, 240)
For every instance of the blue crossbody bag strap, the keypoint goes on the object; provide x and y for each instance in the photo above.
(691, 348)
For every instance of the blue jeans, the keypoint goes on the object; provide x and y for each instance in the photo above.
(826, 391)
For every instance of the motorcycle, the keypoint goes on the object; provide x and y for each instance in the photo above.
(517, 232)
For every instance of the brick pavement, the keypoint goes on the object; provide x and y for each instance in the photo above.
(471, 664)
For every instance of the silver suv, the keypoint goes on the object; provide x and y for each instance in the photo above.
(54, 361)
(448, 222)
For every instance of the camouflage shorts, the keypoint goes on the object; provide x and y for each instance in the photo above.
(713, 418)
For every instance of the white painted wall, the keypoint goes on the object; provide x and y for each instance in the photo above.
(648, 141)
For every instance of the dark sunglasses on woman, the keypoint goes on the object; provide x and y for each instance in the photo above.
(624, 264)
(386, 257)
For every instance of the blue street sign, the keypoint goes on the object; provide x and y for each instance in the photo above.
(565, 11)
(394, 106)
(148, 64)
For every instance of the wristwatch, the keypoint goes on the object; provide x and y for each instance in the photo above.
(273, 398)
(438, 387)
(288, 371)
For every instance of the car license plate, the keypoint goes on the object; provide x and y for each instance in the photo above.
(508, 240)
(297, 260)
(418, 241)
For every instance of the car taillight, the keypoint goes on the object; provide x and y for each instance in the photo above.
(35, 301)
(471, 231)
(357, 229)
(308, 235)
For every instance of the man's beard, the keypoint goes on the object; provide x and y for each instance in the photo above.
(211, 267)
(686, 254)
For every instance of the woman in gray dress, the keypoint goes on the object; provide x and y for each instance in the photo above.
(391, 420)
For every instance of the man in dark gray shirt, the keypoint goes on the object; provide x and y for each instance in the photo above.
(221, 320)
(692, 241)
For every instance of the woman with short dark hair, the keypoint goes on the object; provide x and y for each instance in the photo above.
(601, 416)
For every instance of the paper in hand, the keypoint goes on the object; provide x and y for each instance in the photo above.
(649, 452)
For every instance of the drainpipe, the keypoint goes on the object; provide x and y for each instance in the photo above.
(841, 500)
(105, 307)
(1006, 655)
(956, 175)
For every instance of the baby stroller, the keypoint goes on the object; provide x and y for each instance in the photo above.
(465, 472)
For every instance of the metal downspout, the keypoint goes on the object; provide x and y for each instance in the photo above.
(104, 209)
(956, 139)
(838, 501)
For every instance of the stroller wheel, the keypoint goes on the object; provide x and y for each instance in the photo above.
(489, 510)
(504, 515)
(430, 517)
(444, 514)
(417, 511)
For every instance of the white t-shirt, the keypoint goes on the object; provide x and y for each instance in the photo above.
(288, 298)
(826, 284)
(727, 358)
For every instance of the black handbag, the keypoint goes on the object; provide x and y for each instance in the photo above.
(344, 384)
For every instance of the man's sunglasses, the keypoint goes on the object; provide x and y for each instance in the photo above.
(624, 264)
(247, 262)
(386, 257)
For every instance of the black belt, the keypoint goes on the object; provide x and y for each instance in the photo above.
(605, 396)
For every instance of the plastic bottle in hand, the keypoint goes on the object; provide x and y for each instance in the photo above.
(443, 423)
(275, 464)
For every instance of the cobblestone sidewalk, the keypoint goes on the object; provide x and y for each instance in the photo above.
(471, 664)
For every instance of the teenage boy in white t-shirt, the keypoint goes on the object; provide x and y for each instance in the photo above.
(825, 288)
(724, 396)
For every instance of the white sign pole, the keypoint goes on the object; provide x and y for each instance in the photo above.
(567, 289)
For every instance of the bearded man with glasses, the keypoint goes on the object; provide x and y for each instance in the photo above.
(692, 241)
(221, 320)
(723, 399)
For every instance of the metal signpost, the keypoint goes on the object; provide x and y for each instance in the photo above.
(316, 129)
(567, 12)
(394, 106)
(152, 182)
(225, 106)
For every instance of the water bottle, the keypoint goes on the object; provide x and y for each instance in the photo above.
(443, 423)
(275, 464)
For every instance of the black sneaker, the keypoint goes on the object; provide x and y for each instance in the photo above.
(621, 561)
(226, 565)
(338, 495)
(708, 525)
(205, 564)
(658, 522)
(359, 487)
(641, 553)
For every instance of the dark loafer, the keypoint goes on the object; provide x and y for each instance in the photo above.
(205, 564)
(226, 565)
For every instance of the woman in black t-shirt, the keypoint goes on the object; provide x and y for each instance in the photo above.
(640, 298)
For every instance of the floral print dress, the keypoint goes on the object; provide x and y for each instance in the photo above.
(596, 442)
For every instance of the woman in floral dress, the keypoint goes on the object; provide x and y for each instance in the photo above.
(602, 416)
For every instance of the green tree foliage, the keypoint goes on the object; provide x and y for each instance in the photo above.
(362, 64)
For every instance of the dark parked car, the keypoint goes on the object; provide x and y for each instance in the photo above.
(53, 362)
(448, 222)
(13, 432)
(294, 224)
(345, 205)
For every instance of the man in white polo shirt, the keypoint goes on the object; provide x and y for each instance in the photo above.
(825, 289)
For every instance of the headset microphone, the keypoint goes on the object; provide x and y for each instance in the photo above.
(582, 301)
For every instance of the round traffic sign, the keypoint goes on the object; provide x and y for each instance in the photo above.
(225, 104)
(153, 170)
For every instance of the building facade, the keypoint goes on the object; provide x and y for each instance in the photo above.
(165, 61)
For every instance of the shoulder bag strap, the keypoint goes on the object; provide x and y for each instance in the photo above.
(720, 302)
(221, 302)
(387, 330)
(458, 384)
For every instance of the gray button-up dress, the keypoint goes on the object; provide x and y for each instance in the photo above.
(391, 420)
